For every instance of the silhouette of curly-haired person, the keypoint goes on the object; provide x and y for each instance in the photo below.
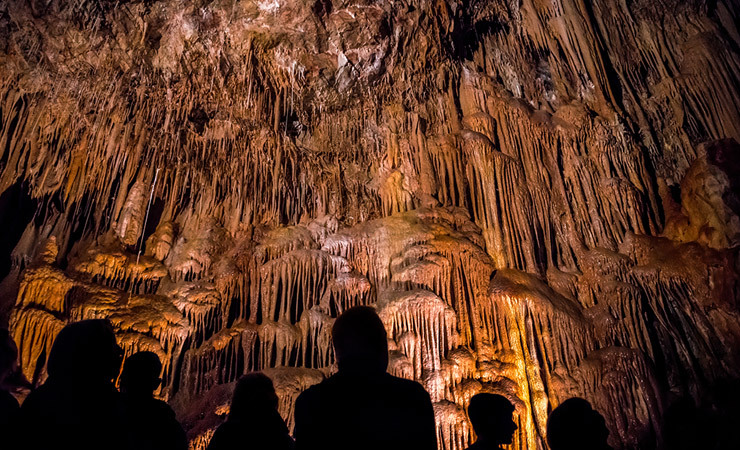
(491, 416)
(362, 406)
(254, 422)
(78, 405)
(150, 423)
(574, 425)
(9, 374)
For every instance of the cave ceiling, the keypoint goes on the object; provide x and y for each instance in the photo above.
(539, 197)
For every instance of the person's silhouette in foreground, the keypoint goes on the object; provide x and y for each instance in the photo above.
(150, 423)
(78, 405)
(9, 408)
(254, 422)
(362, 406)
(574, 425)
(491, 416)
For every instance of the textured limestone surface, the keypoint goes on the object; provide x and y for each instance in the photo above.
(541, 198)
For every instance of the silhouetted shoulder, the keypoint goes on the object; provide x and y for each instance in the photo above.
(410, 387)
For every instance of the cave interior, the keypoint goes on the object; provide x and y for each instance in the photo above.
(541, 199)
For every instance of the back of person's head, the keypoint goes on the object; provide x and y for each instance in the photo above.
(254, 395)
(574, 425)
(8, 355)
(140, 375)
(85, 352)
(491, 416)
(360, 341)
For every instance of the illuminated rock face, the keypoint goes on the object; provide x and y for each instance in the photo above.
(540, 198)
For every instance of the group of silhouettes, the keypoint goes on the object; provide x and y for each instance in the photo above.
(361, 406)
(78, 406)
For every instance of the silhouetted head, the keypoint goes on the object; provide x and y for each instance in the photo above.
(85, 352)
(254, 395)
(140, 375)
(360, 341)
(574, 425)
(491, 416)
(8, 355)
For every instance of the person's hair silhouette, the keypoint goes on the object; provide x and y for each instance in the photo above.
(150, 423)
(491, 416)
(85, 352)
(253, 421)
(574, 425)
(360, 341)
(140, 374)
(78, 406)
(362, 406)
(254, 394)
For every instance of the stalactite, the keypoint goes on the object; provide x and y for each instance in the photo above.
(279, 341)
(117, 269)
(34, 330)
(200, 303)
(549, 336)
(426, 317)
(539, 198)
(316, 340)
(296, 281)
(454, 430)
(631, 386)
(289, 383)
(220, 360)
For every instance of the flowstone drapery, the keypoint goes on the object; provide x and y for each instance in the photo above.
(539, 198)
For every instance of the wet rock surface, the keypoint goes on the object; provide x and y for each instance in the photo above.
(539, 198)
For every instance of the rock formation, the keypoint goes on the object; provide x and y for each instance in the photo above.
(539, 198)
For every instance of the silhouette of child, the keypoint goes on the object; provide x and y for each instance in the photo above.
(150, 423)
(574, 425)
(254, 422)
(491, 416)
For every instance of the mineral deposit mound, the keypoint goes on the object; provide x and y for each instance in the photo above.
(540, 198)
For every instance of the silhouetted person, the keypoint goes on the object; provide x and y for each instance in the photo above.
(362, 406)
(491, 416)
(574, 425)
(78, 406)
(9, 408)
(150, 423)
(254, 422)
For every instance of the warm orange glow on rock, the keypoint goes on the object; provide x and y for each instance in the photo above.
(539, 198)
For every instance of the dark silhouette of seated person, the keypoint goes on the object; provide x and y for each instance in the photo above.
(574, 425)
(254, 422)
(150, 423)
(491, 416)
(9, 408)
(78, 405)
(362, 406)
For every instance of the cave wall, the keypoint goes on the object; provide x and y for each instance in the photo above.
(539, 197)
